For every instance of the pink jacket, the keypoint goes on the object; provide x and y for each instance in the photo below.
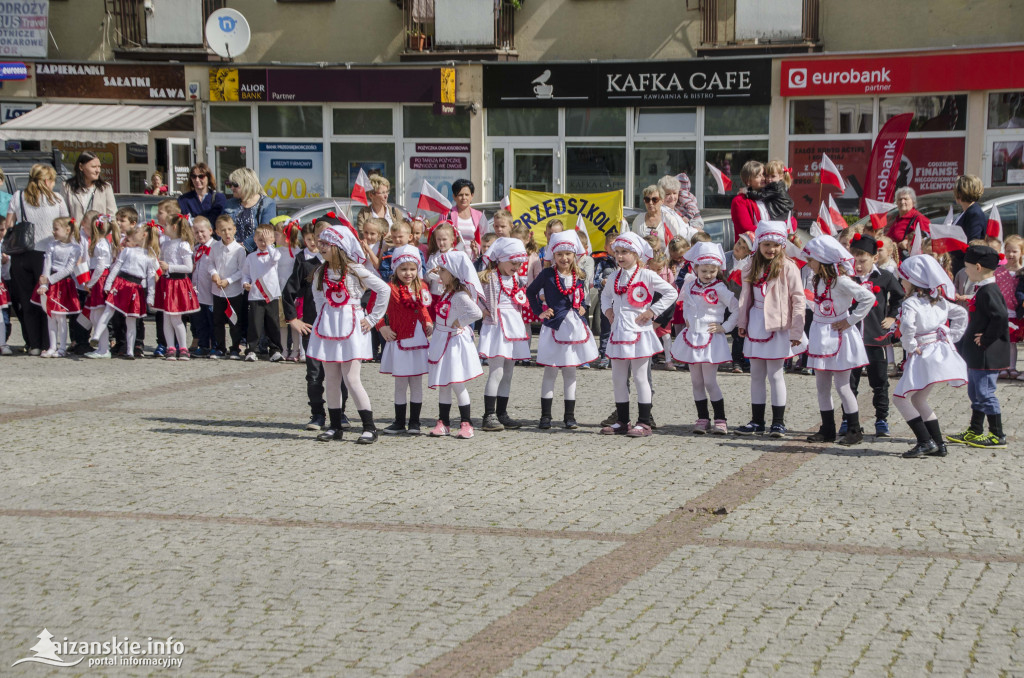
(783, 303)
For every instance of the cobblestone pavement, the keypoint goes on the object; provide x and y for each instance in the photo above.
(155, 499)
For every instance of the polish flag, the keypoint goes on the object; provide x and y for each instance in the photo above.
(82, 274)
(581, 231)
(915, 248)
(724, 182)
(432, 200)
(795, 253)
(835, 215)
(230, 313)
(948, 237)
(361, 187)
(505, 204)
(830, 174)
(877, 210)
(995, 225)
(823, 224)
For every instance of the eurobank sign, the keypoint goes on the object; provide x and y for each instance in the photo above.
(904, 74)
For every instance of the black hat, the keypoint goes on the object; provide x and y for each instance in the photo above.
(865, 243)
(982, 255)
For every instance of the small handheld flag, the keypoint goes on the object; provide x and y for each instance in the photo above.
(362, 187)
(830, 174)
(724, 182)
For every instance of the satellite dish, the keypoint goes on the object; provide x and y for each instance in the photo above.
(227, 33)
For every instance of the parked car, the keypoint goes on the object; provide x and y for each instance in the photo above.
(17, 164)
(307, 210)
(1009, 200)
(144, 204)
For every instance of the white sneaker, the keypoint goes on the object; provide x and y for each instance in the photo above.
(48, 354)
(5, 350)
(277, 357)
(250, 357)
(96, 355)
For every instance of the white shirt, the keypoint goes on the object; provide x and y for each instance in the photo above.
(101, 258)
(919, 318)
(262, 267)
(655, 284)
(177, 254)
(60, 259)
(839, 299)
(699, 312)
(358, 280)
(201, 275)
(228, 261)
(135, 261)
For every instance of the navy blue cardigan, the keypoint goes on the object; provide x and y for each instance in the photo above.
(558, 302)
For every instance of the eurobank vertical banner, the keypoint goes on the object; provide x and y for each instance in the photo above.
(601, 211)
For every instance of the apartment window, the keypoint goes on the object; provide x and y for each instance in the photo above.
(291, 121)
(831, 116)
(237, 119)
(934, 113)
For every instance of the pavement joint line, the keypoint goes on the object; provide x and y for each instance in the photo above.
(859, 550)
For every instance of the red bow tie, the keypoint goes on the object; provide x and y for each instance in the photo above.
(201, 250)
(262, 254)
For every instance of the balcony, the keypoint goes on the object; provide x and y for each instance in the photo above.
(160, 31)
(459, 30)
(756, 27)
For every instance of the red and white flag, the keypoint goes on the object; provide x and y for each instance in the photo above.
(230, 313)
(947, 236)
(823, 224)
(724, 182)
(916, 247)
(505, 204)
(995, 225)
(433, 200)
(362, 187)
(581, 231)
(878, 210)
(835, 215)
(82, 274)
(830, 174)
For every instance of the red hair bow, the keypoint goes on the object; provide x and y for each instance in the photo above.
(787, 170)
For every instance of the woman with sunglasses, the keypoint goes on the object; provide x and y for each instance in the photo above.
(248, 205)
(203, 200)
(665, 222)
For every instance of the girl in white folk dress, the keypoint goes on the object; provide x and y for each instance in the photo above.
(835, 345)
(504, 337)
(932, 357)
(104, 245)
(340, 336)
(57, 293)
(629, 305)
(452, 355)
(175, 293)
(565, 340)
(701, 343)
(771, 321)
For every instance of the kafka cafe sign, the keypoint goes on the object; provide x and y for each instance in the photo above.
(726, 82)
(110, 81)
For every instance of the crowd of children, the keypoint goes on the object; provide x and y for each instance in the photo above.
(332, 297)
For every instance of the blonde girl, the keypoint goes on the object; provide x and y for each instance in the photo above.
(504, 337)
(502, 223)
(525, 234)
(565, 340)
(56, 293)
(175, 293)
(440, 241)
(104, 246)
(132, 275)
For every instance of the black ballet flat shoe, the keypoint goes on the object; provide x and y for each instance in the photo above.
(545, 423)
(921, 449)
(570, 423)
(367, 438)
(329, 435)
(821, 437)
(940, 451)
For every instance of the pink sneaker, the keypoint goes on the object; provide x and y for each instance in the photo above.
(700, 427)
(440, 430)
(172, 354)
(720, 428)
(183, 354)
(465, 430)
(639, 431)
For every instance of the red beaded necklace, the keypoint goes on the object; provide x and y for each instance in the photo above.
(622, 290)
(558, 283)
(515, 285)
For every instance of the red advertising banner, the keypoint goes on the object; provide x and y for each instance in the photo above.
(886, 157)
(932, 165)
(964, 71)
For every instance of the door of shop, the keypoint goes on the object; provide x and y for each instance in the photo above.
(227, 156)
(1004, 165)
(524, 165)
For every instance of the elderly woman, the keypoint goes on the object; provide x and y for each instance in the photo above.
(900, 228)
(203, 200)
(656, 219)
(38, 205)
(86, 190)
(684, 219)
(249, 205)
(378, 207)
(747, 212)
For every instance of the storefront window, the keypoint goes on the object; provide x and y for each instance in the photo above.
(347, 159)
(594, 168)
(729, 157)
(421, 122)
(230, 119)
(931, 113)
(733, 120)
(666, 121)
(1008, 163)
(363, 121)
(291, 121)
(831, 116)
(595, 122)
(1006, 110)
(522, 122)
(653, 160)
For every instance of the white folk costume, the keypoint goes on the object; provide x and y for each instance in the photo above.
(59, 267)
(704, 304)
(175, 292)
(770, 335)
(503, 333)
(452, 355)
(132, 276)
(922, 326)
(99, 263)
(337, 336)
(630, 293)
(829, 350)
(565, 338)
(408, 316)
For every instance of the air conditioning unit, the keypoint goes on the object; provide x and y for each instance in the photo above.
(174, 22)
(775, 21)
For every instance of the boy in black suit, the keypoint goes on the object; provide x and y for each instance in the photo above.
(986, 349)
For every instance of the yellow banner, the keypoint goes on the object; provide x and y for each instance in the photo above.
(600, 211)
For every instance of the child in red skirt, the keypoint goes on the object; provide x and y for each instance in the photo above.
(132, 275)
(175, 294)
(104, 244)
(57, 294)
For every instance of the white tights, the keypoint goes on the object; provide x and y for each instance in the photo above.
(444, 394)
(334, 373)
(621, 369)
(704, 379)
(174, 330)
(499, 377)
(58, 330)
(414, 386)
(916, 405)
(296, 339)
(824, 380)
(767, 370)
(547, 384)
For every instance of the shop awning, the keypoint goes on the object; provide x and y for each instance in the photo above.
(100, 123)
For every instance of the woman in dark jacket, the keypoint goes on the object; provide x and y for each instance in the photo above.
(203, 200)
(972, 220)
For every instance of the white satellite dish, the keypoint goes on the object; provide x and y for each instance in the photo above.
(227, 33)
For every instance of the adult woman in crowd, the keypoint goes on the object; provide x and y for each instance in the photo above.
(901, 226)
(747, 212)
(967, 192)
(380, 189)
(249, 205)
(656, 218)
(86, 190)
(681, 224)
(41, 207)
(203, 200)
(468, 222)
